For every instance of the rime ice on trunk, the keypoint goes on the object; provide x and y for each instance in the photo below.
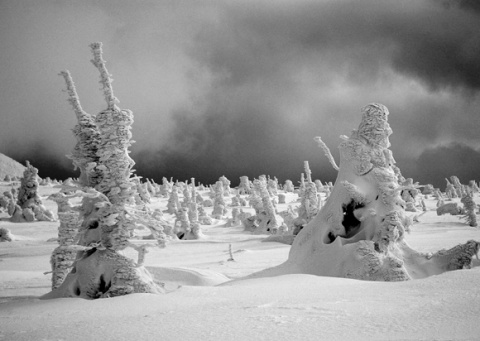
(166, 187)
(272, 187)
(182, 223)
(428, 189)
(409, 194)
(319, 185)
(219, 205)
(268, 221)
(226, 185)
(187, 196)
(28, 192)
(84, 155)
(244, 187)
(473, 186)
(193, 214)
(64, 255)
(288, 186)
(301, 187)
(469, 208)
(309, 199)
(29, 205)
(359, 232)
(142, 195)
(173, 201)
(114, 125)
(6, 235)
(459, 190)
(450, 190)
(254, 199)
(100, 270)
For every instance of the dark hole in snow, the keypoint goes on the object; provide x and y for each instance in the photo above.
(350, 222)
(93, 225)
(88, 253)
(331, 237)
(103, 286)
(180, 235)
(410, 192)
(376, 198)
(298, 229)
(77, 291)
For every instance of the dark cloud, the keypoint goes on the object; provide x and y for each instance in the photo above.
(232, 144)
(436, 164)
(241, 88)
(468, 5)
(49, 165)
(421, 39)
(269, 49)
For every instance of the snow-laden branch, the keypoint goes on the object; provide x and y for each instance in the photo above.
(105, 77)
(326, 150)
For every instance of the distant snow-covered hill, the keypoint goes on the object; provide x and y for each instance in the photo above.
(9, 166)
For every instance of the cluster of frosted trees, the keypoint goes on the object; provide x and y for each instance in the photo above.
(357, 225)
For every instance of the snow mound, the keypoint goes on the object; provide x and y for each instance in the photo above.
(176, 277)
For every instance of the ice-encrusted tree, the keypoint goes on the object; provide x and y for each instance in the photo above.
(84, 155)
(360, 231)
(469, 208)
(109, 212)
(29, 205)
(309, 200)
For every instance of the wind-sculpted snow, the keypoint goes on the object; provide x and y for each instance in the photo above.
(359, 232)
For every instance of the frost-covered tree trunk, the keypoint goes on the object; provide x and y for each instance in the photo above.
(29, 205)
(469, 208)
(109, 211)
(359, 232)
(269, 222)
(84, 155)
(309, 200)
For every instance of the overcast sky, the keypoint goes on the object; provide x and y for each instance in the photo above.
(242, 87)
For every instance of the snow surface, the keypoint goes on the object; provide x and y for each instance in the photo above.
(207, 299)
